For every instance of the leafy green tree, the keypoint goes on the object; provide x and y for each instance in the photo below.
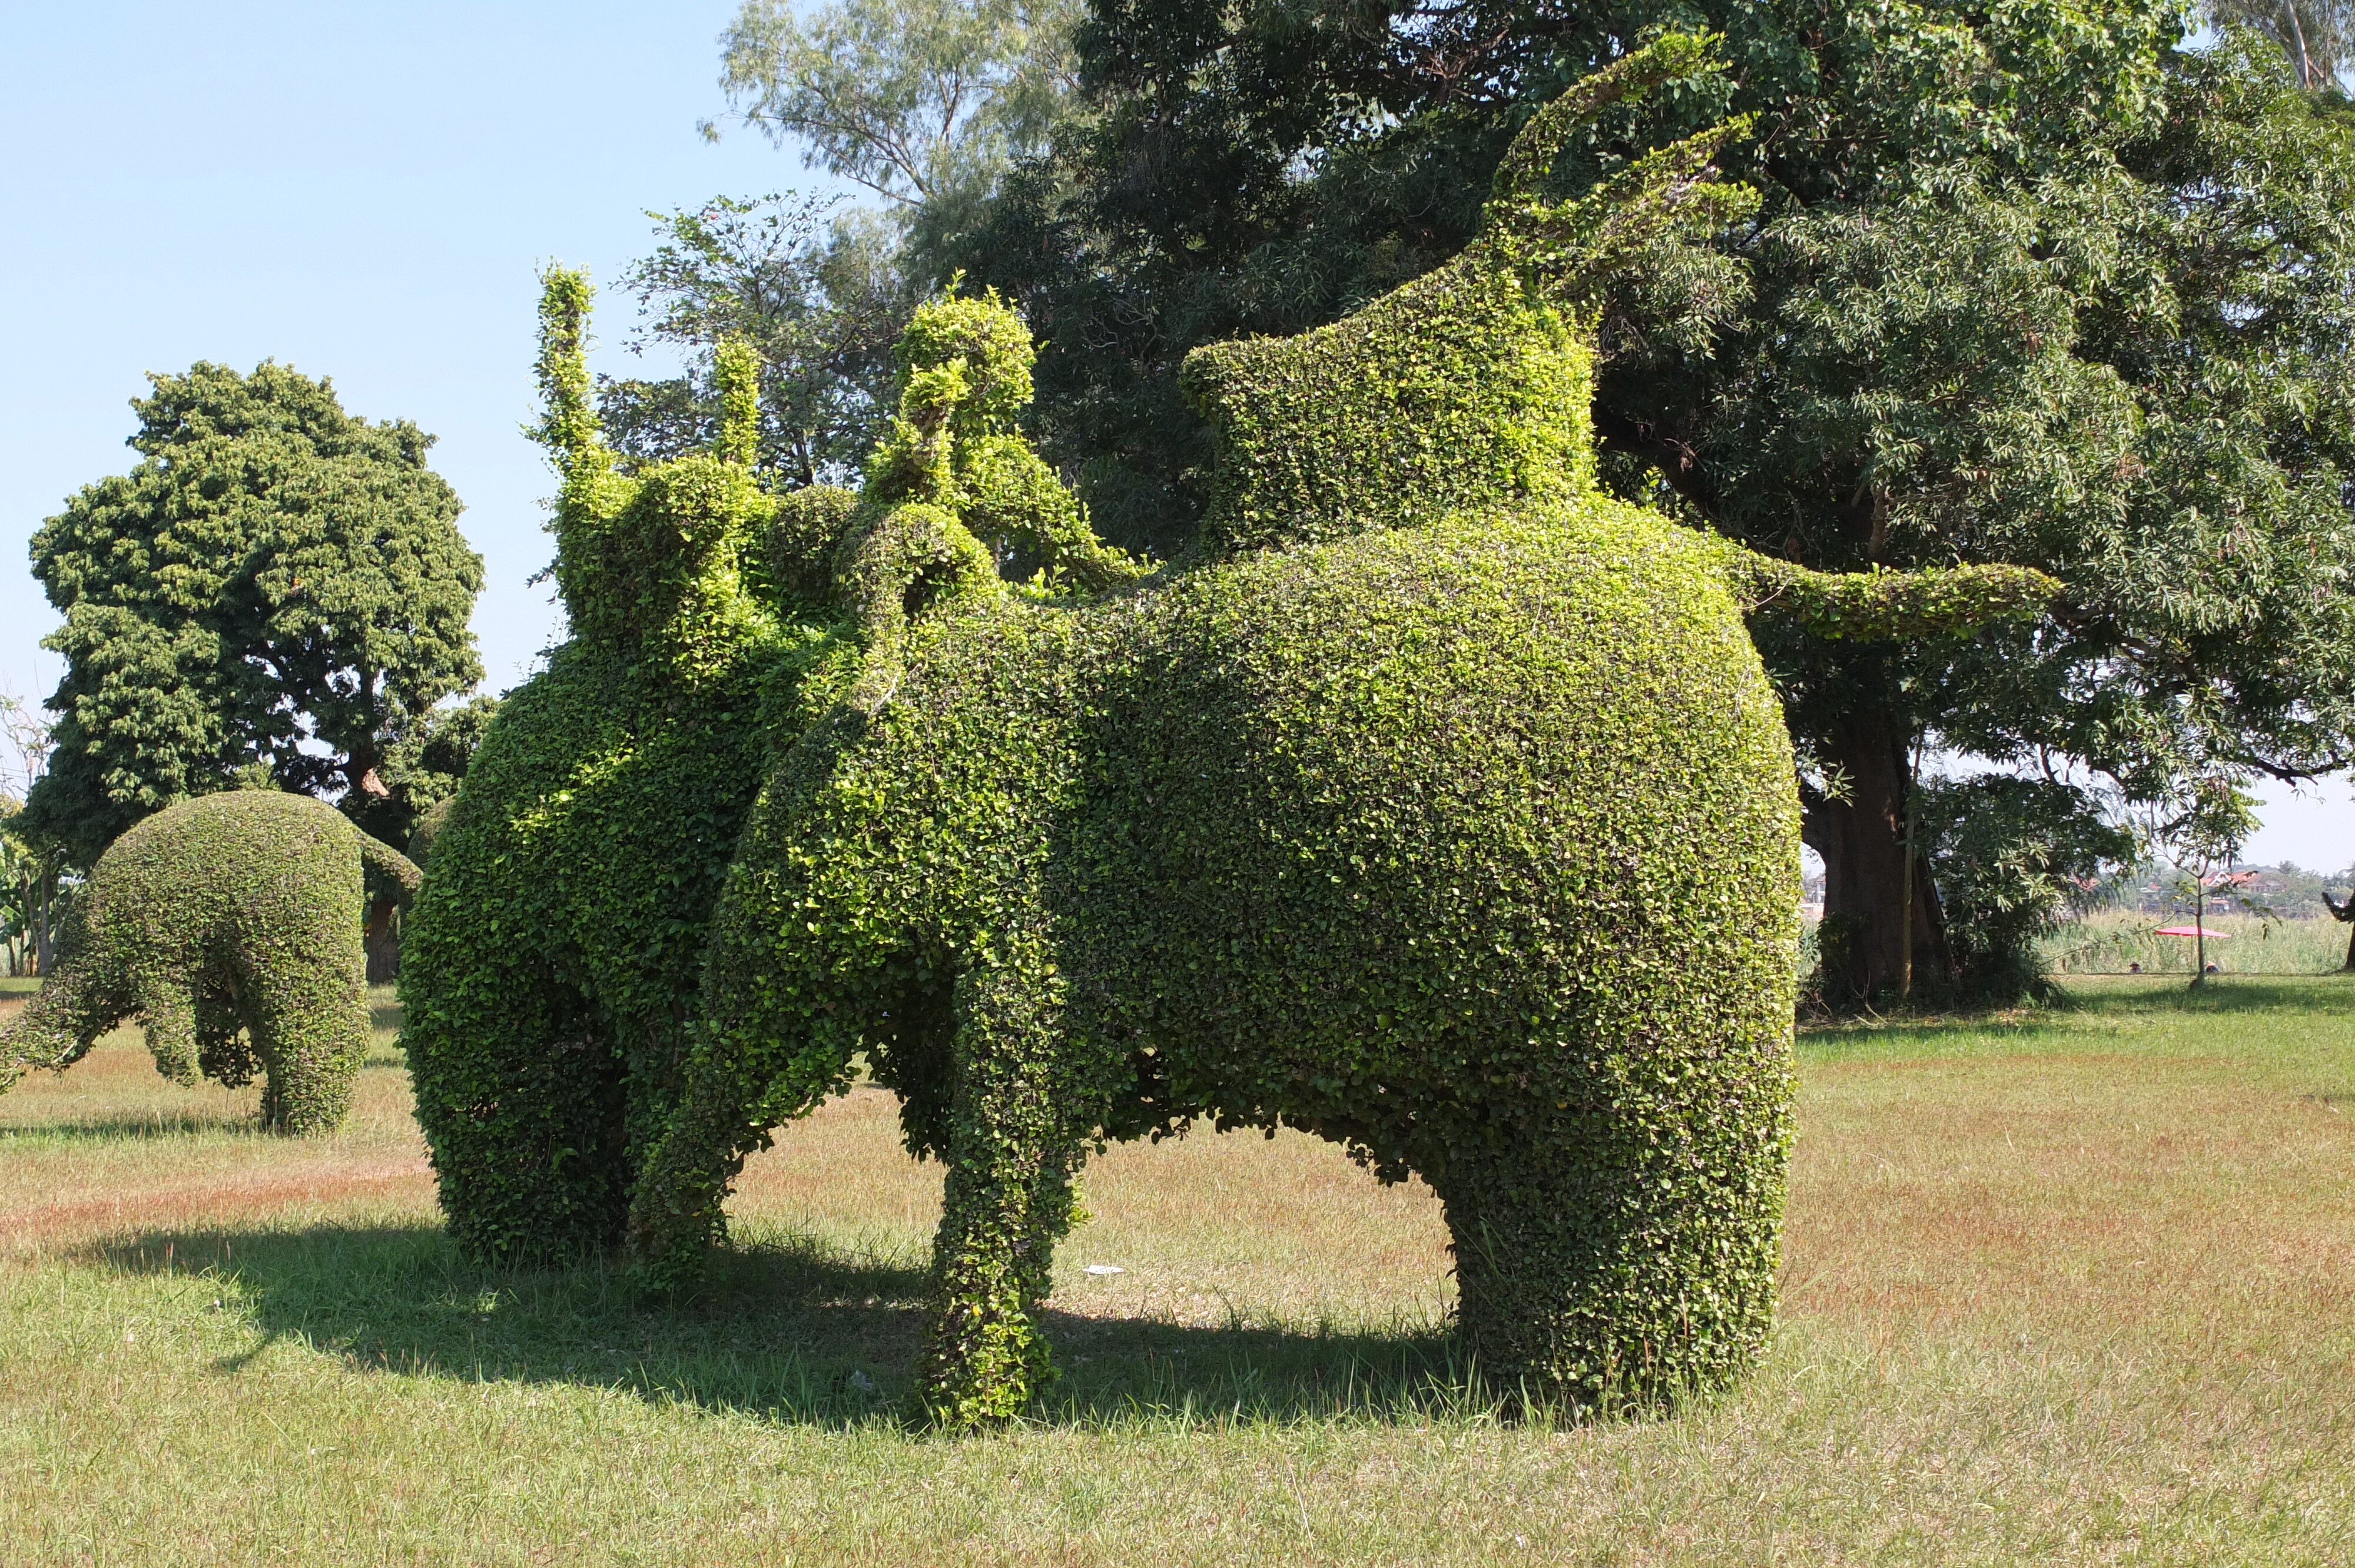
(2025, 286)
(2199, 829)
(2011, 857)
(2316, 37)
(29, 880)
(925, 102)
(20, 900)
(275, 592)
(818, 302)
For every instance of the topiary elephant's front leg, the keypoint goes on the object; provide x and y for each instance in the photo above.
(674, 1216)
(168, 1007)
(1012, 1154)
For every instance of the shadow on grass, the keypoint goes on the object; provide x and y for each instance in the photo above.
(113, 1129)
(794, 1330)
(2059, 1023)
(2319, 995)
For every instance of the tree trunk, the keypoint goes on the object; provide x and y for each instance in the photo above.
(381, 937)
(2343, 912)
(45, 947)
(1862, 841)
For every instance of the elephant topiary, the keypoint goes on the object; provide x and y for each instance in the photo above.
(230, 926)
(1436, 804)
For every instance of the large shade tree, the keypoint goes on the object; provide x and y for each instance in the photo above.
(2033, 284)
(275, 594)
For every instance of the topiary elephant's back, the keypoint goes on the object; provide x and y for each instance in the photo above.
(245, 866)
(1545, 735)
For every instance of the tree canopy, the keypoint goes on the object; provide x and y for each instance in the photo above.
(924, 102)
(275, 593)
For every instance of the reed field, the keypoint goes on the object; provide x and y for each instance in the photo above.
(2112, 940)
(2075, 1286)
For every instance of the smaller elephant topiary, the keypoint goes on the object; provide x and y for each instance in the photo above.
(229, 926)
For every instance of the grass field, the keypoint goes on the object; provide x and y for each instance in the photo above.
(2065, 1288)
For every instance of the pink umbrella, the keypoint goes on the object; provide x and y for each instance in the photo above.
(2190, 931)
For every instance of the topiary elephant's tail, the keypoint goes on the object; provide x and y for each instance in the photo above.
(382, 858)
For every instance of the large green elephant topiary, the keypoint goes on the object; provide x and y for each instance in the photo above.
(230, 926)
(1438, 805)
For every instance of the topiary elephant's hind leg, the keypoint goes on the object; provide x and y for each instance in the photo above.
(1012, 1154)
(224, 1051)
(1615, 1270)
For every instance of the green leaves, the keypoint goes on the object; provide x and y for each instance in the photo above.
(916, 100)
(814, 298)
(276, 584)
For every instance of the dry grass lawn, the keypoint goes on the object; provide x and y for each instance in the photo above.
(2072, 1288)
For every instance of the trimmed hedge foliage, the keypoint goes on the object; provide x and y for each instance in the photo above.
(548, 971)
(1439, 806)
(1473, 847)
(229, 925)
(1436, 804)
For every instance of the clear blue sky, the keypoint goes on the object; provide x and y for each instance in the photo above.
(364, 191)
